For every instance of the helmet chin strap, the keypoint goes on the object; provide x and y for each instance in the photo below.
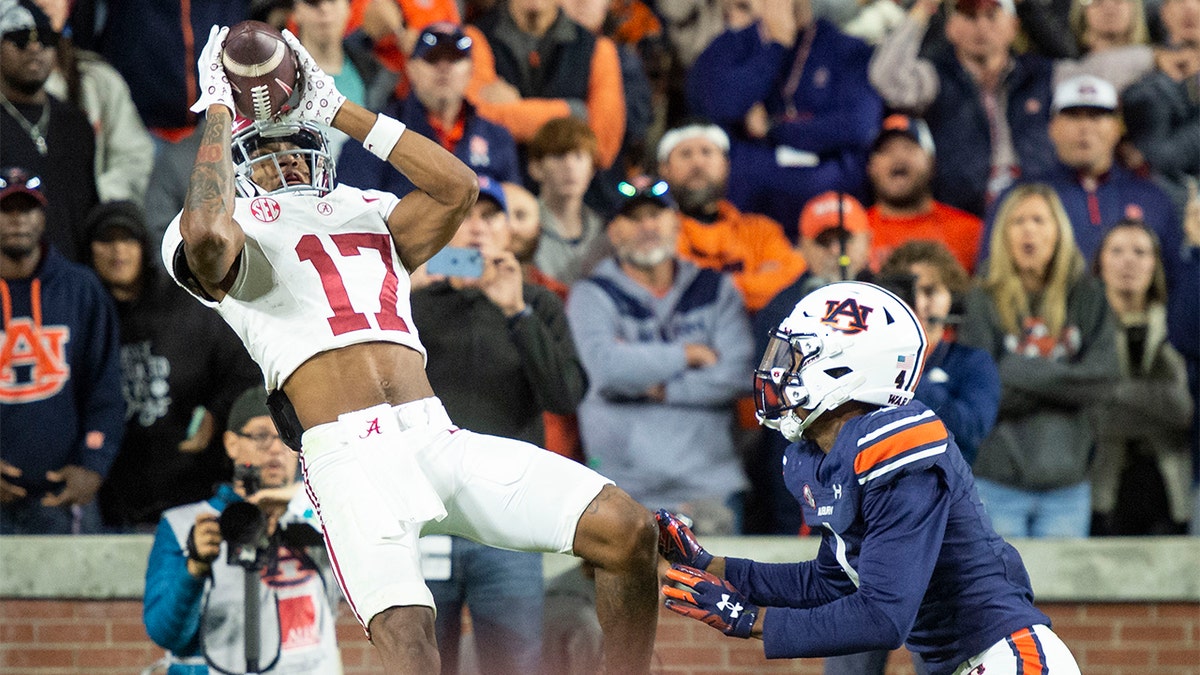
(792, 427)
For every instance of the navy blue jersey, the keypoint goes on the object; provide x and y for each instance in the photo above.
(907, 555)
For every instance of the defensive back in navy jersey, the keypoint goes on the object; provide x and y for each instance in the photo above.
(898, 510)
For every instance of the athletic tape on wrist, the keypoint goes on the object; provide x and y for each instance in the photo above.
(384, 136)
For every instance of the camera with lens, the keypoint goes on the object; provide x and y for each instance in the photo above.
(244, 525)
(250, 476)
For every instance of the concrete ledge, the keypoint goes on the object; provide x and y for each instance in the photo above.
(1132, 569)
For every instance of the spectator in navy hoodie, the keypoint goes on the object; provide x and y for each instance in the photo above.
(62, 415)
(438, 71)
(792, 93)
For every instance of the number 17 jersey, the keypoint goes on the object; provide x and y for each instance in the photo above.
(316, 273)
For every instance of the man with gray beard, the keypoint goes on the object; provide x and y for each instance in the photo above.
(666, 346)
(751, 248)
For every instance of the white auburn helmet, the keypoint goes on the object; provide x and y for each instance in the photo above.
(309, 141)
(847, 341)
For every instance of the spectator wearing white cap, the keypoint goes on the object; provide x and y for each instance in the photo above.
(987, 106)
(751, 248)
(1095, 190)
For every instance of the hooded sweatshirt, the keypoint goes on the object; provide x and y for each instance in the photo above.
(60, 380)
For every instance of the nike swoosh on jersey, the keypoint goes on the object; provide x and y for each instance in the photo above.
(370, 199)
(898, 443)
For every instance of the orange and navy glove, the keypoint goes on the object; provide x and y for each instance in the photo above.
(706, 598)
(678, 544)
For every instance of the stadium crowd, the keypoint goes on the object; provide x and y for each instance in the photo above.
(672, 176)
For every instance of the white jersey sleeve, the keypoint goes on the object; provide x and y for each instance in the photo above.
(317, 273)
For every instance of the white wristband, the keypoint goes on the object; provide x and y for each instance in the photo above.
(383, 136)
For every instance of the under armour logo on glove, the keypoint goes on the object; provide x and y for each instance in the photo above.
(732, 607)
(704, 597)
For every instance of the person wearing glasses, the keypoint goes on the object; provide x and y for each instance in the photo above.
(50, 138)
(195, 590)
(666, 347)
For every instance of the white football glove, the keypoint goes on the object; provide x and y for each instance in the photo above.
(320, 100)
(214, 85)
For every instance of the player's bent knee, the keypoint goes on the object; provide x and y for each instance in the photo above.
(616, 532)
(406, 635)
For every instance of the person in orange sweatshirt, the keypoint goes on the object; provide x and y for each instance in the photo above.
(751, 248)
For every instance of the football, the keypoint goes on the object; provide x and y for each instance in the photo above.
(262, 69)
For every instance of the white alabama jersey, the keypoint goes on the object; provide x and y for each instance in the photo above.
(316, 274)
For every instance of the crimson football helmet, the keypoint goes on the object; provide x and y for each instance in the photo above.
(847, 341)
(252, 149)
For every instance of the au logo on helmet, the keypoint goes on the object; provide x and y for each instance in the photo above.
(846, 315)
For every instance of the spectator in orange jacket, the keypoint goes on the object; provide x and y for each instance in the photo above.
(536, 65)
(901, 172)
(751, 248)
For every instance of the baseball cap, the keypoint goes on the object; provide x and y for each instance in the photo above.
(442, 39)
(642, 189)
(904, 125)
(19, 15)
(821, 213)
(973, 7)
(250, 404)
(1085, 91)
(490, 189)
(687, 132)
(15, 180)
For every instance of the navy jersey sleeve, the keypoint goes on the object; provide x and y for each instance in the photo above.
(804, 584)
(906, 519)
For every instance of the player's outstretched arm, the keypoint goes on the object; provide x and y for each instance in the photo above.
(426, 218)
(212, 239)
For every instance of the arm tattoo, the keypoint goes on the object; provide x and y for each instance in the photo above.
(210, 189)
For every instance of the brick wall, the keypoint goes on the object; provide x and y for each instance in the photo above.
(59, 637)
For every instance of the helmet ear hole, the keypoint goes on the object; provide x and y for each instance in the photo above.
(838, 372)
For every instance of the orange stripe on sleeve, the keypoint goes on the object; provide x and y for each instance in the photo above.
(898, 443)
(1027, 653)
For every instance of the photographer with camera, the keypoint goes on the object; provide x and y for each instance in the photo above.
(260, 534)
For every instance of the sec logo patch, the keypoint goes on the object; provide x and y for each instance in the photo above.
(265, 209)
(808, 497)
